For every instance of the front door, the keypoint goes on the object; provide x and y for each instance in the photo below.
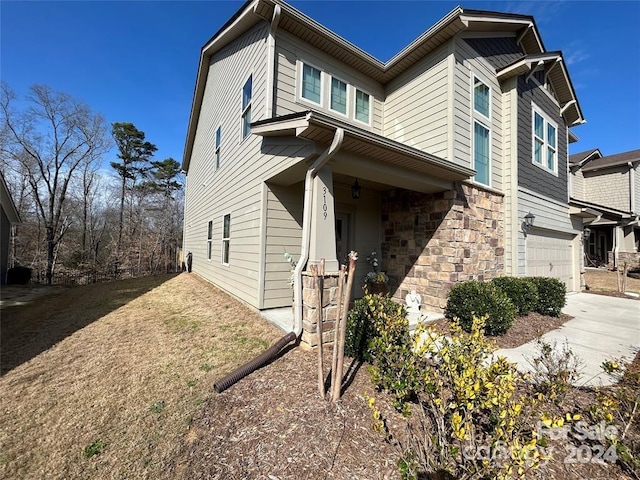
(343, 234)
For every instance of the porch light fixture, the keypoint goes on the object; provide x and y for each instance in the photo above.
(355, 190)
(586, 233)
(528, 222)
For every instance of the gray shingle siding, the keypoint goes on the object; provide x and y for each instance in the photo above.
(529, 175)
(499, 52)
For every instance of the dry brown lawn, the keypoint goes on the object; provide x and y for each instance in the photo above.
(123, 366)
(605, 281)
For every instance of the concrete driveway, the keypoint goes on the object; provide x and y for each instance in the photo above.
(603, 328)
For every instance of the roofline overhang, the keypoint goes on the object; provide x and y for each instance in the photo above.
(300, 124)
(7, 202)
(586, 159)
(620, 214)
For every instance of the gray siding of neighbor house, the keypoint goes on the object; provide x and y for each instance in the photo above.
(5, 233)
(416, 110)
(609, 187)
(531, 176)
(290, 51)
(234, 188)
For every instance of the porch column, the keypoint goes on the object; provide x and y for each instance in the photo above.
(323, 222)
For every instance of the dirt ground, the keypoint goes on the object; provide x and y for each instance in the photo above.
(601, 280)
(127, 370)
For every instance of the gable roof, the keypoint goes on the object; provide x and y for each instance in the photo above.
(616, 160)
(317, 35)
(583, 157)
(7, 202)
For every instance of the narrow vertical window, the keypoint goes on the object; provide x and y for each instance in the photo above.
(338, 96)
(481, 145)
(246, 106)
(545, 142)
(209, 240)
(362, 106)
(226, 230)
(551, 147)
(538, 138)
(217, 146)
(311, 83)
(481, 97)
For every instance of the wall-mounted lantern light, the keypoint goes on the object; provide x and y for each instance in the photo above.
(528, 222)
(586, 233)
(355, 190)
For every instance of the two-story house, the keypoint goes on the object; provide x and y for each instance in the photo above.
(610, 187)
(438, 159)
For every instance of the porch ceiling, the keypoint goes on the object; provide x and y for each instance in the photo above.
(366, 155)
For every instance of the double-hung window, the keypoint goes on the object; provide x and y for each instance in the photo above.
(217, 146)
(311, 84)
(246, 106)
(481, 131)
(545, 142)
(338, 96)
(209, 239)
(363, 111)
(226, 231)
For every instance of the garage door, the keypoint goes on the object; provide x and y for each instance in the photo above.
(550, 255)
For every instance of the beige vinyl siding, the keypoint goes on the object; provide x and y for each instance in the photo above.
(283, 234)
(608, 187)
(231, 189)
(469, 63)
(416, 109)
(289, 51)
(577, 185)
(636, 185)
(510, 173)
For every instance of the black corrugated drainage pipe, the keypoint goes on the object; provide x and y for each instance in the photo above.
(249, 367)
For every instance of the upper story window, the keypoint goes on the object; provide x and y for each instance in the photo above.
(247, 92)
(217, 146)
(481, 131)
(311, 84)
(363, 101)
(545, 142)
(338, 96)
(226, 238)
(481, 98)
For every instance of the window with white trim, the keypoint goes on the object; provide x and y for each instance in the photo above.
(209, 239)
(362, 112)
(481, 131)
(226, 234)
(311, 84)
(545, 142)
(338, 101)
(247, 92)
(216, 150)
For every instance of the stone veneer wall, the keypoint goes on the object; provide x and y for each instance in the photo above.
(310, 308)
(432, 241)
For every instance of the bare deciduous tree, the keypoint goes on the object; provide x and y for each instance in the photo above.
(50, 140)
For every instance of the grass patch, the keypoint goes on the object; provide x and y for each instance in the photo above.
(94, 448)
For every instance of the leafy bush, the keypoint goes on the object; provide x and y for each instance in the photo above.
(552, 295)
(471, 299)
(361, 323)
(521, 291)
(18, 275)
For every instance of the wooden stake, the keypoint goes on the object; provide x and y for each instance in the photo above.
(337, 387)
(337, 327)
(318, 286)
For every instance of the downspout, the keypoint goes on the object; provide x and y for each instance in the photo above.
(273, 351)
(306, 226)
(271, 48)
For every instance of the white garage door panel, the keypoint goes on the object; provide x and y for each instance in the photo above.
(550, 255)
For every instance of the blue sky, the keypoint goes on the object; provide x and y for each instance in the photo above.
(137, 61)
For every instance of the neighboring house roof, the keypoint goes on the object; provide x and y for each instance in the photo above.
(295, 22)
(583, 157)
(607, 213)
(7, 202)
(618, 159)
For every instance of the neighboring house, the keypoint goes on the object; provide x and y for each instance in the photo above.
(9, 218)
(610, 187)
(447, 147)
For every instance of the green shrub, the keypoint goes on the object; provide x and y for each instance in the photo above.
(361, 323)
(552, 295)
(521, 291)
(471, 299)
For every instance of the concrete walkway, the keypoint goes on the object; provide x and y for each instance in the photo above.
(603, 328)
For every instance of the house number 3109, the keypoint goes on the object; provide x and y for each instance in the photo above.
(324, 202)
